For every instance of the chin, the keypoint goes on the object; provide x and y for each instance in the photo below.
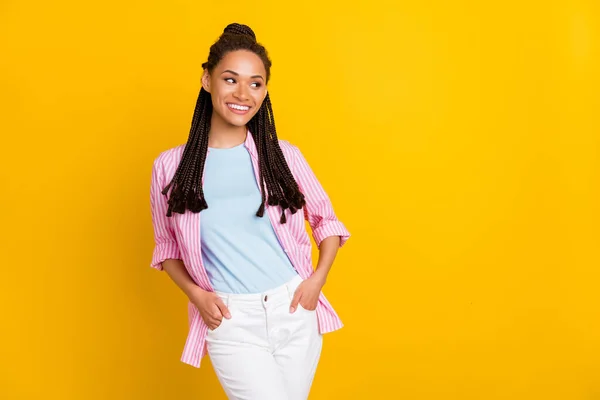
(238, 121)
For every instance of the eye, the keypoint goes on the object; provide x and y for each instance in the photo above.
(257, 84)
(230, 79)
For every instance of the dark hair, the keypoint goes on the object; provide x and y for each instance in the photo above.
(275, 175)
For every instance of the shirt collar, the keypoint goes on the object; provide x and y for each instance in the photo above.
(250, 145)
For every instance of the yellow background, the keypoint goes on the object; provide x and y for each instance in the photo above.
(458, 140)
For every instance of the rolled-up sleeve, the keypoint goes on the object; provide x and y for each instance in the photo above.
(165, 244)
(318, 210)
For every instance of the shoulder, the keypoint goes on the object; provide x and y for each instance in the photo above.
(286, 146)
(289, 150)
(168, 160)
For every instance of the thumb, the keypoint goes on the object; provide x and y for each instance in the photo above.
(295, 301)
(223, 308)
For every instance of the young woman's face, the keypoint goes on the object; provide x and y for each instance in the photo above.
(237, 86)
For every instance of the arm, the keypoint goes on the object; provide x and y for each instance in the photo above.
(178, 274)
(308, 291)
(328, 232)
(327, 252)
(167, 256)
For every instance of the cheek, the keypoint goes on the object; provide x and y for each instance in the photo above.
(219, 91)
(258, 97)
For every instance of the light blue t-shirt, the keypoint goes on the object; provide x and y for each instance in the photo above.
(240, 251)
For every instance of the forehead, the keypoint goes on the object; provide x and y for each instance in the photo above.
(243, 62)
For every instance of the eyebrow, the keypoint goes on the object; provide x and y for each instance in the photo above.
(236, 74)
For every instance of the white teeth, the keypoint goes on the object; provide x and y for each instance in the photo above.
(235, 106)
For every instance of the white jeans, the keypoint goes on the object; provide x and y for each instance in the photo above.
(263, 352)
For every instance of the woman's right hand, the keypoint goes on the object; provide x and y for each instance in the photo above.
(211, 307)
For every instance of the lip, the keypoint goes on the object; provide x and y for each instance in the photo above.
(239, 112)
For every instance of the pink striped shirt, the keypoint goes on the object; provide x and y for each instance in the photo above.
(178, 236)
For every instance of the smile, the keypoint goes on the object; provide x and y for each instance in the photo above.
(238, 109)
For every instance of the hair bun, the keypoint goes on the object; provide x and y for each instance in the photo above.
(239, 29)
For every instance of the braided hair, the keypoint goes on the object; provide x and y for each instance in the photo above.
(277, 184)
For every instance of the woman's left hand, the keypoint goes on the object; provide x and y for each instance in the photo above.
(307, 293)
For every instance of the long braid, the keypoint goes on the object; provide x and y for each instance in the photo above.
(195, 199)
(292, 192)
(277, 184)
(281, 185)
(187, 188)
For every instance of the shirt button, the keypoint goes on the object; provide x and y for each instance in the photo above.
(266, 297)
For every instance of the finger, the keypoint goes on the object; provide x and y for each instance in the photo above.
(211, 322)
(295, 301)
(216, 323)
(215, 318)
(223, 308)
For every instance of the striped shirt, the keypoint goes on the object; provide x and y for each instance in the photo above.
(178, 236)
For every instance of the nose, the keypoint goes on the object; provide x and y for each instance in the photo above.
(241, 93)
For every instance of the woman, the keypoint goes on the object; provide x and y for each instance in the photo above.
(255, 302)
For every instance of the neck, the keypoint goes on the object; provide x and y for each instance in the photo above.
(224, 135)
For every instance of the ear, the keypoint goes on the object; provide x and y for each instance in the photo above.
(206, 81)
